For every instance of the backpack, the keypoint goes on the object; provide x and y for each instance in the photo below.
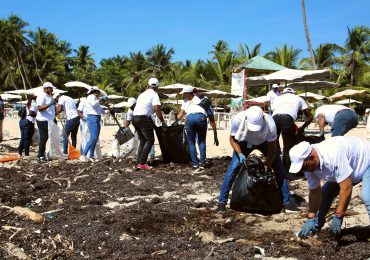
(22, 113)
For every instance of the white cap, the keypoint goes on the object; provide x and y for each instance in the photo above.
(56, 95)
(187, 89)
(275, 85)
(254, 118)
(48, 85)
(298, 154)
(153, 82)
(288, 90)
(131, 101)
(92, 89)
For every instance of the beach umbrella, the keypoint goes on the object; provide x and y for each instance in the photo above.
(10, 96)
(116, 97)
(347, 102)
(311, 95)
(312, 85)
(176, 89)
(347, 93)
(121, 104)
(39, 90)
(220, 94)
(77, 84)
(17, 92)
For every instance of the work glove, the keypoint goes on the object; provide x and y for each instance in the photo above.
(336, 225)
(215, 138)
(242, 158)
(321, 134)
(104, 98)
(52, 102)
(309, 228)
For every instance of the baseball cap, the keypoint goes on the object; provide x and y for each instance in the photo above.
(93, 89)
(131, 102)
(187, 89)
(56, 95)
(254, 118)
(275, 85)
(48, 85)
(288, 90)
(153, 82)
(298, 154)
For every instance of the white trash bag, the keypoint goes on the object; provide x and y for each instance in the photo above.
(54, 152)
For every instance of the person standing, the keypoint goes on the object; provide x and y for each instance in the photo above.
(2, 116)
(143, 123)
(272, 95)
(27, 126)
(68, 105)
(196, 126)
(285, 110)
(93, 113)
(46, 113)
(252, 129)
(341, 118)
(342, 162)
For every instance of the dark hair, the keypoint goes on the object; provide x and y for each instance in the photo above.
(29, 101)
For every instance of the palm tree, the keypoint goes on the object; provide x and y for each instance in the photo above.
(219, 49)
(245, 53)
(355, 54)
(135, 72)
(285, 56)
(159, 60)
(308, 35)
(83, 59)
(324, 55)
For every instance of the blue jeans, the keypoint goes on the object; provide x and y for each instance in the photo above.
(235, 165)
(330, 190)
(344, 121)
(196, 125)
(71, 128)
(93, 123)
(27, 130)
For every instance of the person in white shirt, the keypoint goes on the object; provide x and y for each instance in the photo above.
(196, 126)
(341, 118)
(46, 114)
(285, 110)
(27, 126)
(253, 129)
(271, 95)
(146, 104)
(342, 162)
(92, 111)
(68, 105)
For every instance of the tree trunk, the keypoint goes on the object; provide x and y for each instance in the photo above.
(24, 70)
(307, 35)
(20, 72)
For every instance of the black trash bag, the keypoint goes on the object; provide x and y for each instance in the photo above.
(255, 190)
(312, 139)
(173, 144)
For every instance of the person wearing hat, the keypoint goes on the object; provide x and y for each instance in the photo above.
(341, 118)
(342, 162)
(46, 114)
(146, 104)
(93, 111)
(68, 105)
(285, 110)
(253, 129)
(196, 126)
(272, 94)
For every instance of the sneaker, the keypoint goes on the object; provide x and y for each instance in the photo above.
(83, 158)
(41, 160)
(91, 159)
(144, 167)
(26, 157)
(221, 207)
(291, 208)
(65, 156)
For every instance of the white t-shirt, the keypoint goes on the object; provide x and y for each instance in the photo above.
(340, 157)
(129, 115)
(267, 132)
(288, 104)
(329, 112)
(145, 103)
(92, 106)
(33, 108)
(192, 107)
(48, 114)
(271, 95)
(69, 106)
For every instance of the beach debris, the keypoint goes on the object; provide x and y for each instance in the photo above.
(16, 251)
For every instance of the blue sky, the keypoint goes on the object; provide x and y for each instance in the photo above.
(112, 27)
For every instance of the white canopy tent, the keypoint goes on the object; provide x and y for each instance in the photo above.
(288, 75)
(77, 84)
(312, 85)
(347, 93)
(312, 95)
(347, 102)
(7, 96)
(39, 90)
(220, 94)
(176, 88)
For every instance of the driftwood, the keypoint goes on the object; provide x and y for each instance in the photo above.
(27, 214)
(16, 251)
